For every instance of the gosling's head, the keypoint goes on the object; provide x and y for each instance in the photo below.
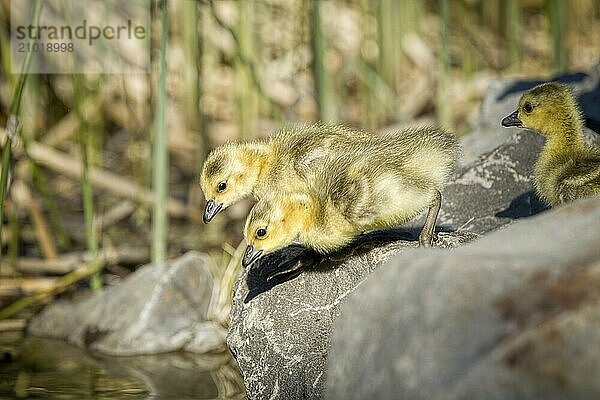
(228, 175)
(549, 109)
(273, 223)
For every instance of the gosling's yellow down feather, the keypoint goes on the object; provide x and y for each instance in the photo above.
(385, 182)
(236, 170)
(567, 168)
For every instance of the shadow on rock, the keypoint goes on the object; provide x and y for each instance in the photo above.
(286, 264)
(521, 86)
(522, 206)
(276, 268)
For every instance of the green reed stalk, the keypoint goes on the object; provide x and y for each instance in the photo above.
(247, 98)
(160, 162)
(84, 138)
(557, 10)
(321, 77)
(13, 244)
(194, 48)
(389, 43)
(85, 133)
(12, 126)
(513, 27)
(247, 62)
(444, 111)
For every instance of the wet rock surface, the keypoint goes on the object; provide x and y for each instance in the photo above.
(513, 315)
(157, 309)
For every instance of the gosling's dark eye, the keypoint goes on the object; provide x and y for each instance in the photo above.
(222, 186)
(261, 232)
(528, 107)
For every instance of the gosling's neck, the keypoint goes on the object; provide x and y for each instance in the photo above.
(304, 215)
(564, 137)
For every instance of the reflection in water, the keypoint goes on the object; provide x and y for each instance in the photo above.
(46, 368)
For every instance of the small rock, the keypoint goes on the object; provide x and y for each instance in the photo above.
(157, 309)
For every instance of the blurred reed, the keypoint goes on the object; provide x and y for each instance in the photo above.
(12, 125)
(160, 152)
(88, 123)
(322, 81)
(193, 19)
(513, 31)
(224, 272)
(443, 101)
(248, 63)
(557, 12)
(247, 99)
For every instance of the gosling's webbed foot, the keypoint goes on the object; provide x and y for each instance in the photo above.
(427, 234)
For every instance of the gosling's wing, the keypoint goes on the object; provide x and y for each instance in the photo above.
(355, 200)
(423, 151)
(347, 189)
(307, 147)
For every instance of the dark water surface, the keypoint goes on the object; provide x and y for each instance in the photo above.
(34, 368)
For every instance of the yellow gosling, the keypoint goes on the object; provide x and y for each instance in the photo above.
(387, 182)
(236, 170)
(567, 168)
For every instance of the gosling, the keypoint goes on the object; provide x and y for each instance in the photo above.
(567, 168)
(387, 183)
(236, 170)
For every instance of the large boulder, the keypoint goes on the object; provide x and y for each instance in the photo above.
(513, 315)
(280, 328)
(157, 309)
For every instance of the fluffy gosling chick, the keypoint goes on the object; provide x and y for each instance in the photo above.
(236, 170)
(387, 182)
(567, 168)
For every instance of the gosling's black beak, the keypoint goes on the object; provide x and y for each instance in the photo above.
(250, 255)
(210, 210)
(512, 120)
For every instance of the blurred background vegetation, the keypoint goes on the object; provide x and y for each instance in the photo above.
(93, 153)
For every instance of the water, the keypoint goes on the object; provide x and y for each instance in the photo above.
(34, 368)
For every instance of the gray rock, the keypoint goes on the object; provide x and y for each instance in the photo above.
(279, 330)
(513, 315)
(501, 98)
(497, 188)
(159, 308)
